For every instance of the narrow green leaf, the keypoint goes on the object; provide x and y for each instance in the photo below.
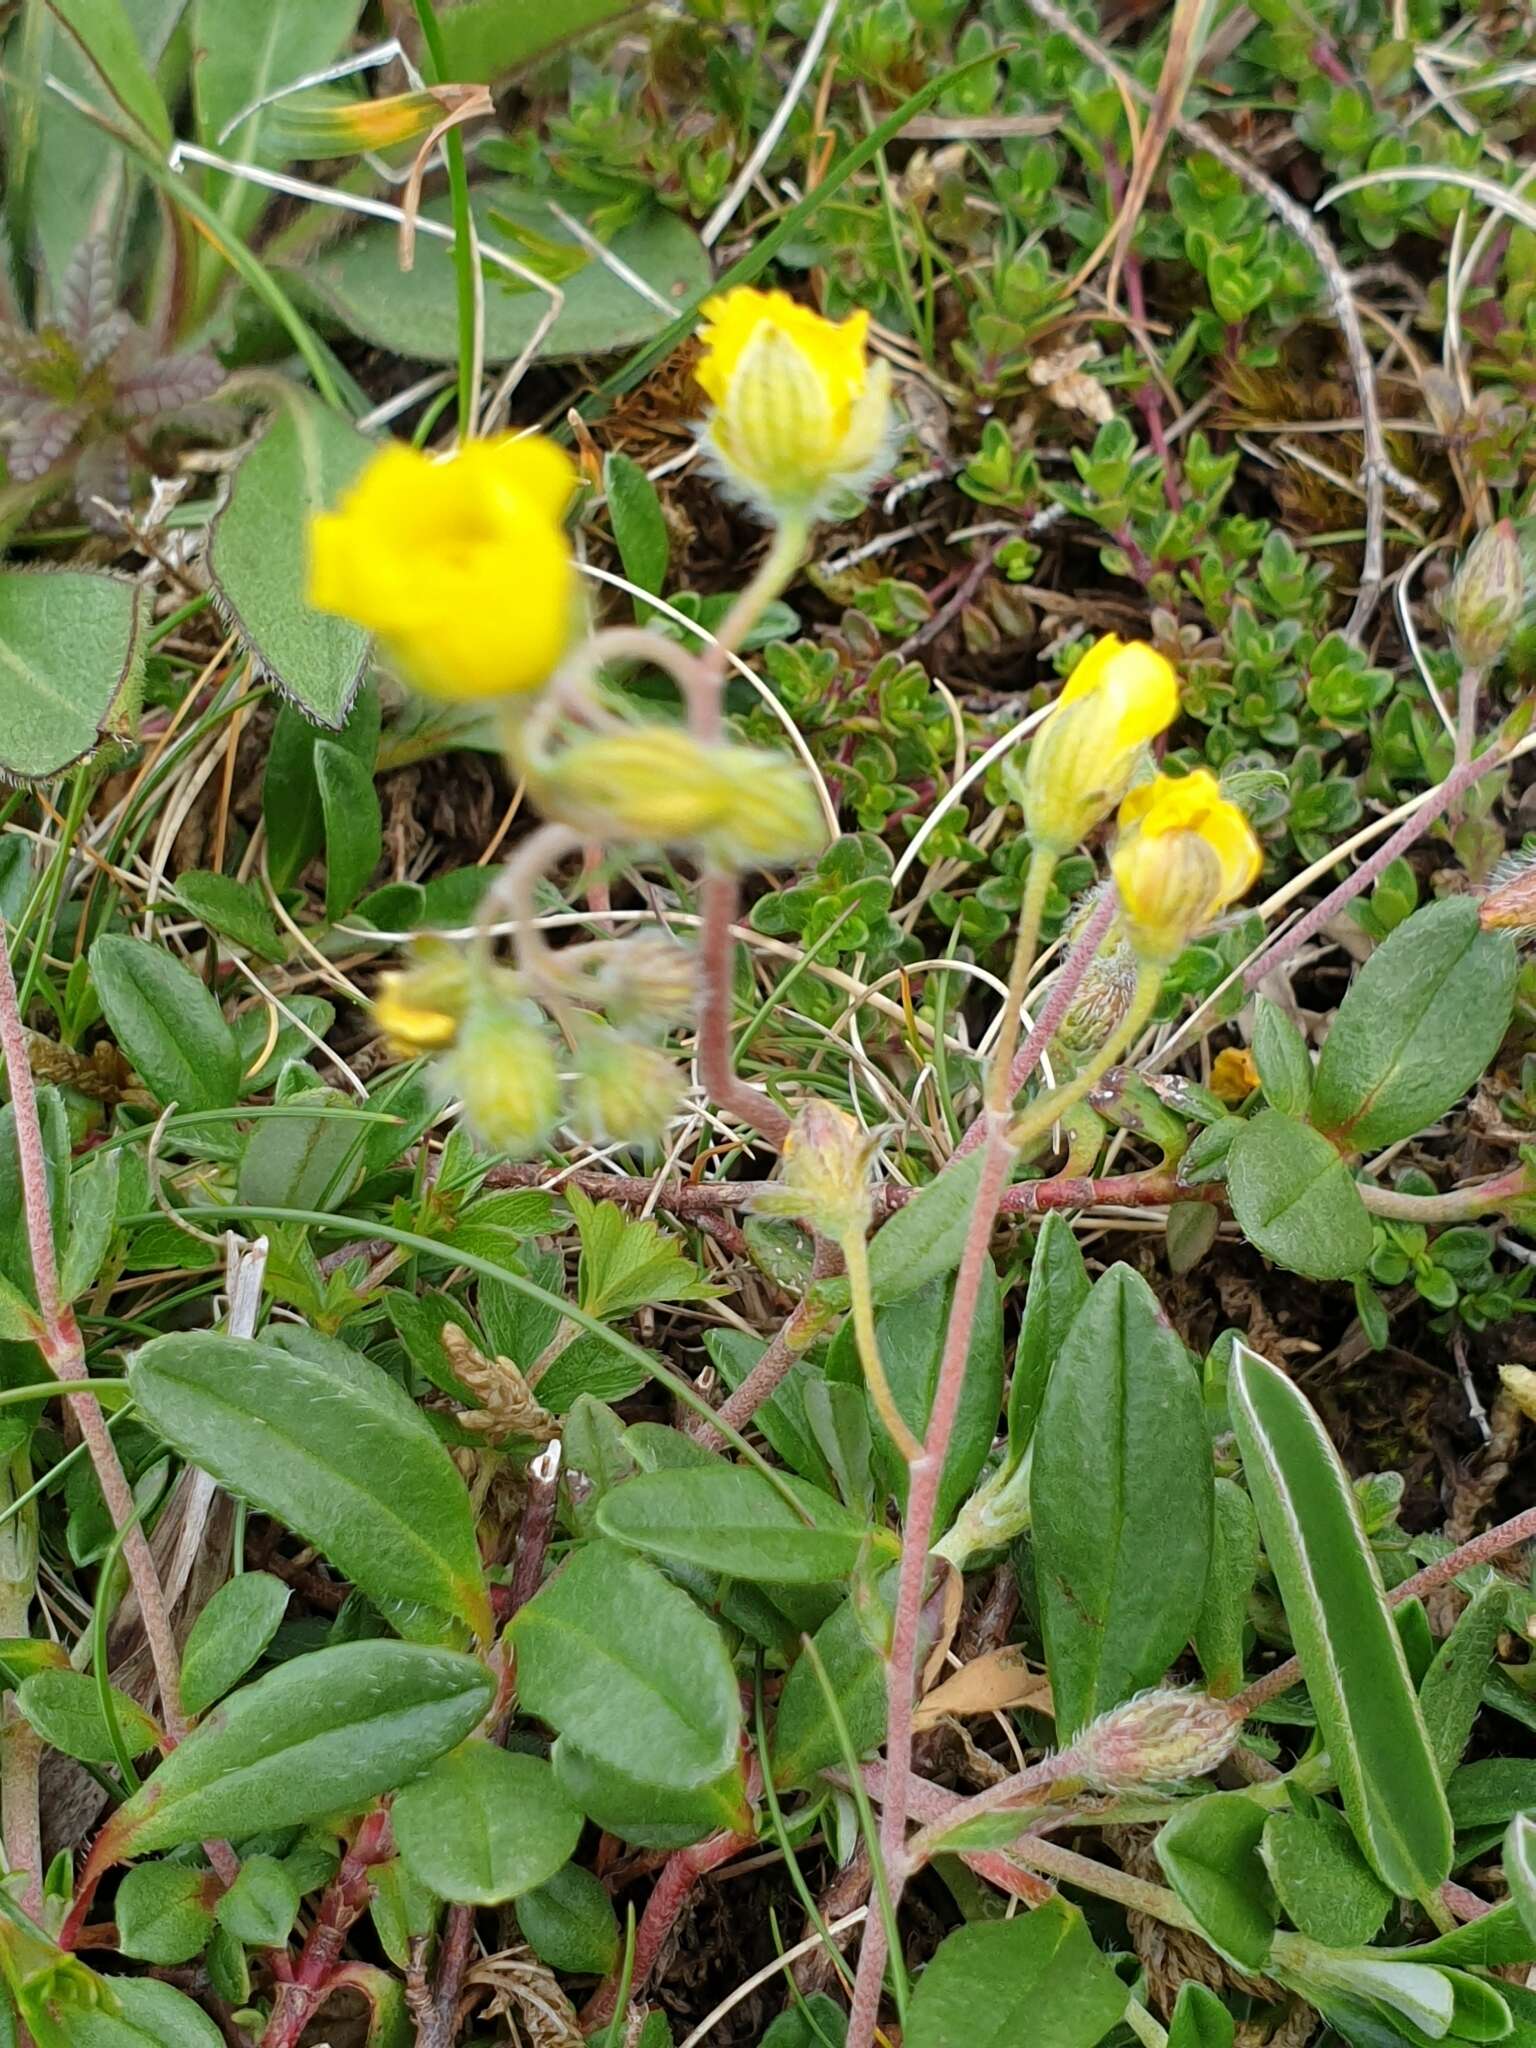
(354, 825)
(167, 1023)
(1121, 1563)
(1419, 1023)
(484, 1825)
(71, 659)
(1281, 1056)
(1295, 1199)
(995, 1983)
(485, 40)
(322, 1734)
(1350, 1652)
(229, 1636)
(1520, 1869)
(1210, 1855)
(639, 524)
(290, 789)
(149, 2015)
(104, 31)
(923, 1240)
(257, 552)
(727, 1518)
(329, 1444)
(1223, 1620)
(92, 1219)
(1451, 1691)
(65, 1709)
(616, 1657)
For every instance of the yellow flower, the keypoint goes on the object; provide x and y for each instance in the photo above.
(1121, 695)
(419, 1010)
(461, 567)
(799, 410)
(1182, 855)
(504, 1070)
(656, 784)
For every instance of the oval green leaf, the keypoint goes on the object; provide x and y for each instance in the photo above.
(167, 1023)
(1420, 1022)
(1121, 1562)
(1210, 1855)
(728, 1518)
(228, 1636)
(1038, 1978)
(321, 1734)
(1295, 1200)
(618, 1658)
(485, 1824)
(70, 666)
(1350, 1652)
(330, 1445)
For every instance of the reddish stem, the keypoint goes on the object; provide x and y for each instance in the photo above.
(718, 895)
(302, 1991)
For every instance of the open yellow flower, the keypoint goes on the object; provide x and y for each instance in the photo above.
(419, 1008)
(1121, 695)
(461, 567)
(800, 411)
(1183, 854)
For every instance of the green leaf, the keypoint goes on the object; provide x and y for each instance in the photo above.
(20, 1323)
(301, 1162)
(354, 825)
(71, 661)
(1420, 1022)
(485, 39)
(256, 555)
(248, 54)
(569, 1922)
(167, 1024)
(1219, 1631)
(1520, 1870)
(815, 2023)
(924, 1239)
(1350, 1652)
(1200, 2020)
(1451, 1691)
(1492, 1941)
(330, 1445)
(911, 1338)
(1058, 1287)
(105, 31)
(15, 1254)
(261, 1905)
(1489, 1793)
(1209, 1852)
(648, 1815)
(1122, 1562)
(995, 1983)
(65, 1709)
(1295, 1200)
(728, 1518)
(1281, 1056)
(628, 1262)
(484, 1824)
(149, 2015)
(805, 1737)
(1325, 1885)
(164, 1913)
(616, 1657)
(639, 524)
(236, 910)
(92, 1220)
(414, 313)
(290, 790)
(229, 1636)
(322, 1734)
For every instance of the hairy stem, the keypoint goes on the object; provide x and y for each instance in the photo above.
(1411, 830)
(855, 1250)
(718, 898)
(1037, 1119)
(1037, 888)
(1469, 690)
(64, 1352)
(343, 1902)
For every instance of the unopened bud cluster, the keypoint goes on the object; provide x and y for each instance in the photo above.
(826, 1174)
(1487, 595)
(1158, 1738)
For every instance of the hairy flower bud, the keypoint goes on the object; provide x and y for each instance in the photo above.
(1080, 763)
(800, 412)
(419, 1008)
(1483, 605)
(644, 980)
(625, 1092)
(1157, 1738)
(504, 1070)
(656, 784)
(1182, 854)
(1103, 995)
(826, 1173)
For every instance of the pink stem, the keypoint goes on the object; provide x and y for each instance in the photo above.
(1065, 984)
(1412, 828)
(718, 894)
(64, 1350)
(669, 1895)
(344, 1901)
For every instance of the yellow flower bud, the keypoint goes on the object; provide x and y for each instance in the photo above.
(800, 412)
(658, 785)
(504, 1071)
(1183, 854)
(1121, 695)
(625, 1092)
(419, 1009)
(826, 1173)
(461, 567)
